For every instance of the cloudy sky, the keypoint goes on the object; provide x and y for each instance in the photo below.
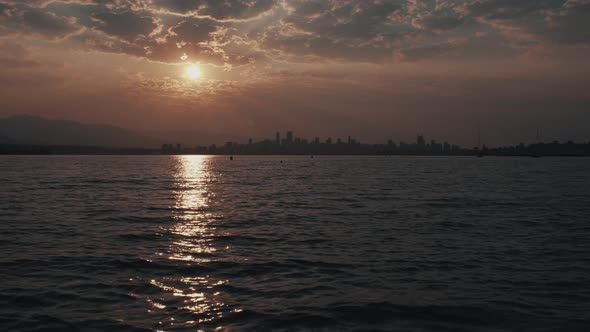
(373, 69)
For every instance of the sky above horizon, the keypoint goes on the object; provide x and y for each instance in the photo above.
(375, 69)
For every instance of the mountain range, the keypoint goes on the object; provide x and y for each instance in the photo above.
(26, 129)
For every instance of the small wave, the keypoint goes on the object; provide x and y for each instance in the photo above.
(43, 322)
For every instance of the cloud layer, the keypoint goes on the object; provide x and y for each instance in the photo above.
(236, 32)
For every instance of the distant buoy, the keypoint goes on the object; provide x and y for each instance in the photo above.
(311, 156)
(231, 158)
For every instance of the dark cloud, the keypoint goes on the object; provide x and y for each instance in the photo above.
(505, 9)
(346, 30)
(542, 21)
(178, 6)
(136, 4)
(571, 23)
(130, 4)
(193, 32)
(23, 20)
(219, 10)
(49, 24)
(309, 48)
(4, 9)
(438, 21)
(348, 20)
(235, 32)
(32, 3)
(127, 25)
(236, 9)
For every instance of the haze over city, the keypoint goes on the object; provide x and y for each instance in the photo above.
(211, 71)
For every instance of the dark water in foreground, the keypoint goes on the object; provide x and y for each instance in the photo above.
(334, 243)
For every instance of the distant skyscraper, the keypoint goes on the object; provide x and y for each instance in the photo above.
(420, 141)
(289, 137)
(446, 147)
(278, 138)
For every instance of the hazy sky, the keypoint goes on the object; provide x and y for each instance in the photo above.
(374, 69)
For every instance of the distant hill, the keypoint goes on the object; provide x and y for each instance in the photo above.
(24, 129)
(4, 139)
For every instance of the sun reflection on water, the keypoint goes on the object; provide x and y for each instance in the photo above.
(192, 243)
(194, 230)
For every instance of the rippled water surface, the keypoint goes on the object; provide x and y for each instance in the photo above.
(293, 243)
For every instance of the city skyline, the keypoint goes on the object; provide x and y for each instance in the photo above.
(293, 145)
(420, 140)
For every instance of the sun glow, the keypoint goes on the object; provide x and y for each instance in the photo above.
(193, 72)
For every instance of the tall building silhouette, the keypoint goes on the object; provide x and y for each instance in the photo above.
(289, 137)
(420, 142)
(278, 138)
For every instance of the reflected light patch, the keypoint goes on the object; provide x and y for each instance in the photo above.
(191, 244)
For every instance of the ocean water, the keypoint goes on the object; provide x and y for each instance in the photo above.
(187, 243)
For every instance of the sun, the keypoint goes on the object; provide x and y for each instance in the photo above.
(193, 72)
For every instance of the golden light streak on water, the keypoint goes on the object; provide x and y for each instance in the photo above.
(193, 243)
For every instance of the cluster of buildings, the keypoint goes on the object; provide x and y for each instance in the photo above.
(290, 139)
(289, 144)
(421, 146)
